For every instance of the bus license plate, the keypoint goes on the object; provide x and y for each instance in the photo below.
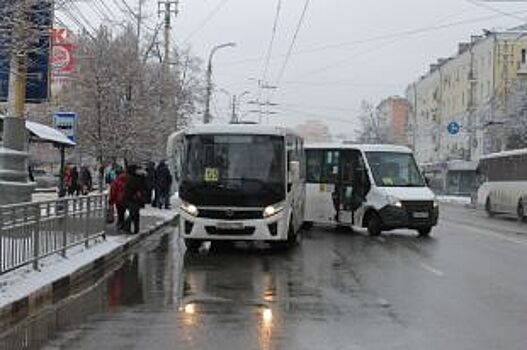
(421, 215)
(230, 225)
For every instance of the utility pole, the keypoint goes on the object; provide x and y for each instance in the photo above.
(234, 119)
(167, 8)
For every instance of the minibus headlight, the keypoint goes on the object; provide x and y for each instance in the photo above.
(395, 202)
(190, 209)
(272, 210)
(436, 203)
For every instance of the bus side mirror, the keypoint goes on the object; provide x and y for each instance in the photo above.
(294, 172)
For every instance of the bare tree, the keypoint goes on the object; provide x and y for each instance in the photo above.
(373, 128)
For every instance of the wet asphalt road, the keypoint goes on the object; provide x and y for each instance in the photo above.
(464, 288)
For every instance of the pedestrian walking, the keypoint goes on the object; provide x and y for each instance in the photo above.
(73, 188)
(85, 181)
(150, 181)
(163, 183)
(134, 197)
(117, 197)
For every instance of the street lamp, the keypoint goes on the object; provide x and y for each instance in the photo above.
(206, 116)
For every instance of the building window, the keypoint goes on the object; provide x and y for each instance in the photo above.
(524, 53)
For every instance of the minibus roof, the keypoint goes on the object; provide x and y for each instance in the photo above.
(361, 147)
(246, 129)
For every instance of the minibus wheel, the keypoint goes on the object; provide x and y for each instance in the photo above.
(192, 245)
(521, 211)
(424, 231)
(374, 225)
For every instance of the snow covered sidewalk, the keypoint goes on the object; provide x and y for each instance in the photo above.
(28, 287)
(454, 200)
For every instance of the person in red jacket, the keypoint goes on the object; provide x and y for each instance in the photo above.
(117, 197)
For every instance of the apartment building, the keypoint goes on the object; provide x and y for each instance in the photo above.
(393, 112)
(470, 89)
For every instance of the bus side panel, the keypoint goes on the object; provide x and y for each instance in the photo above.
(319, 203)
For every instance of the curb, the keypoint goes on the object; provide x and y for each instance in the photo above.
(54, 290)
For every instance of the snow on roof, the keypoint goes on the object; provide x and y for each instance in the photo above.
(252, 129)
(364, 148)
(516, 152)
(46, 133)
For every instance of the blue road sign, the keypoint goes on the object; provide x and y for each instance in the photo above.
(453, 128)
(37, 89)
(67, 123)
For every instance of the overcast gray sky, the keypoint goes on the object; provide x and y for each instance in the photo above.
(346, 50)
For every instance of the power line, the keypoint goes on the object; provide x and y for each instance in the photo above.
(206, 20)
(493, 9)
(271, 43)
(378, 38)
(295, 36)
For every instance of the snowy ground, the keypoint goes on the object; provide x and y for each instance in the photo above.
(454, 200)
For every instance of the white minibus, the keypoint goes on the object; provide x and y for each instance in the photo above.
(238, 183)
(378, 187)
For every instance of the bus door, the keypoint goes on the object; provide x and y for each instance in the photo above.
(348, 186)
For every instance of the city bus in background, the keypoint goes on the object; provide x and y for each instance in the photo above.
(238, 183)
(452, 178)
(378, 187)
(504, 183)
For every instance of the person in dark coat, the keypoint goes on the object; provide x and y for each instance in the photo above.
(150, 181)
(134, 197)
(85, 180)
(117, 192)
(163, 183)
(74, 182)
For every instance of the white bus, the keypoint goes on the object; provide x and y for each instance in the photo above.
(504, 188)
(378, 187)
(238, 183)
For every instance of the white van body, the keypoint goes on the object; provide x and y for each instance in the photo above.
(238, 183)
(350, 190)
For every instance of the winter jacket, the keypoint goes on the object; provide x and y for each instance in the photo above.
(135, 191)
(163, 178)
(117, 190)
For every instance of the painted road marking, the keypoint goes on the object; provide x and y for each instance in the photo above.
(500, 236)
(433, 270)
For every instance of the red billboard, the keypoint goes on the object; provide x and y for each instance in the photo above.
(62, 59)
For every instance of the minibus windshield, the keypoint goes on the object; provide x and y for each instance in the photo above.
(390, 169)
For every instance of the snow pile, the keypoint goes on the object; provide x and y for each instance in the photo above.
(454, 200)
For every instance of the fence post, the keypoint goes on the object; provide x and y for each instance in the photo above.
(87, 227)
(105, 208)
(65, 210)
(3, 263)
(36, 237)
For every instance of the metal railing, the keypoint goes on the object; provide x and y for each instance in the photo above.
(32, 231)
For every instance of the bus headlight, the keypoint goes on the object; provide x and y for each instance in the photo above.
(436, 203)
(272, 210)
(190, 209)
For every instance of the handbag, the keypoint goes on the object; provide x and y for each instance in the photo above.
(110, 215)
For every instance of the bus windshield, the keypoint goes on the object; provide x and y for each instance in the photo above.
(392, 169)
(238, 170)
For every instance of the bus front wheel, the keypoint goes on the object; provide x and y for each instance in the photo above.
(488, 208)
(192, 245)
(374, 225)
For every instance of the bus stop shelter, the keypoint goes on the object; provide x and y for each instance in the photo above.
(40, 133)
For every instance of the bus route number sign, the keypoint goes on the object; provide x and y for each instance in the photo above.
(212, 175)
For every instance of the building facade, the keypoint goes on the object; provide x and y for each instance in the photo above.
(471, 90)
(393, 113)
